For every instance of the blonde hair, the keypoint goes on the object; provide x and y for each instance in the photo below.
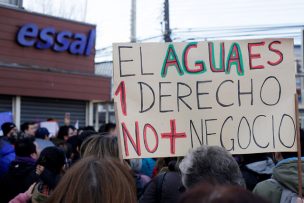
(100, 146)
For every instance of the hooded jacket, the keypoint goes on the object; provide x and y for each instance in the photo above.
(7, 155)
(286, 174)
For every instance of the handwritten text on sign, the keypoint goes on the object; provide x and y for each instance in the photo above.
(175, 96)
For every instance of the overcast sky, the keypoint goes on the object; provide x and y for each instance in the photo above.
(112, 17)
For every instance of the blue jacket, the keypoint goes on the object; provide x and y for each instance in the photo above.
(7, 155)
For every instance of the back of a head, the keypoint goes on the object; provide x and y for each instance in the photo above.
(89, 128)
(7, 127)
(24, 126)
(42, 133)
(100, 146)
(107, 128)
(85, 134)
(94, 180)
(210, 164)
(74, 143)
(206, 193)
(62, 132)
(110, 126)
(25, 147)
(52, 158)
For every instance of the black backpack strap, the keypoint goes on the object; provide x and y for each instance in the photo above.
(159, 186)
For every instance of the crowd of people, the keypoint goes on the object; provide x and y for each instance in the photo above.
(84, 166)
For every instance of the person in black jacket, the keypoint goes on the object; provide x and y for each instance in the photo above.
(48, 169)
(20, 174)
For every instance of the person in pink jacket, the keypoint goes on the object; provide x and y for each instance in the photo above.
(24, 197)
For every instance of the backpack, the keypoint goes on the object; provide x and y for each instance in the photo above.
(159, 185)
(40, 193)
(287, 195)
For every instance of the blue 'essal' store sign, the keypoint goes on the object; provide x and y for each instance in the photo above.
(59, 41)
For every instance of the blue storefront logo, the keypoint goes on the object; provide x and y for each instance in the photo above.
(48, 38)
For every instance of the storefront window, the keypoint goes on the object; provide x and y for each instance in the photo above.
(12, 2)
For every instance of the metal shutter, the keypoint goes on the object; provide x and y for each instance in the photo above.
(40, 109)
(6, 103)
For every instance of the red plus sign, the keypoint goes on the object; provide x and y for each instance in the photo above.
(173, 135)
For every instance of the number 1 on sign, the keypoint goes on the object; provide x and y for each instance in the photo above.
(121, 89)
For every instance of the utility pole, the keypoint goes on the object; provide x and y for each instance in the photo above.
(133, 21)
(167, 32)
(85, 11)
(302, 49)
(20, 3)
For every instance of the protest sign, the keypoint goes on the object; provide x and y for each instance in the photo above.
(52, 127)
(5, 117)
(172, 97)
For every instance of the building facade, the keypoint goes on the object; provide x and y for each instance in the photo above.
(47, 68)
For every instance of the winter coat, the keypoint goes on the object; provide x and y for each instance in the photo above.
(7, 155)
(20, 177)
(286, 174)
(164, 188)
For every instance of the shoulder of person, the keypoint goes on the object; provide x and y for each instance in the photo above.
(269, 189)
(268, 185)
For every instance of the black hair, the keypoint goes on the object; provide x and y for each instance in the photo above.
(25, 147)
(106, 128)
(52, 158)
(42, 133)
(84, 135)
(89, 128)
(26, 125)
(63, 131)
(72, 127)
(73, 147)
